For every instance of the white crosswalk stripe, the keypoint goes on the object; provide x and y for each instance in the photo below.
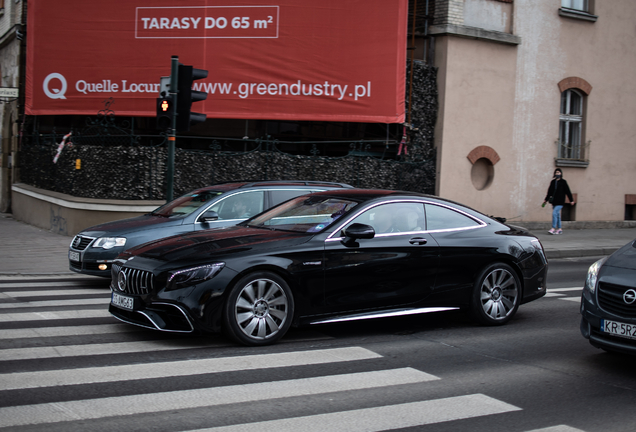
(57, 293)
(565, 289)
(50, 303)
(96, 349)
(383, 418)
(181, 368)
(572, 294)
(369, 371)
(47, 332)
(572, 299)
(559, 428)
(58, 315)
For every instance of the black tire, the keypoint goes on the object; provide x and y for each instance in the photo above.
(259, 309)
(496, 295)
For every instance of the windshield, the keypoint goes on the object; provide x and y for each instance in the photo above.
(304, 215)
(186, 204)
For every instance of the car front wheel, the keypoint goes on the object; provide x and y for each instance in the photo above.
(259, 309)
(496, 295)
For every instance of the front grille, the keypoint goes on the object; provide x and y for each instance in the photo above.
(135, 282)
(610, 299)
(80, 242)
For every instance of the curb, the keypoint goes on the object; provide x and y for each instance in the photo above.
(575, 225)
(578, 253)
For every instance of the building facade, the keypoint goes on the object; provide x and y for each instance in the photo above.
(11, 40)
(527, 86)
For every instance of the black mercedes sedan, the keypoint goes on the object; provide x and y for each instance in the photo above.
(331, 256)
(608, 302)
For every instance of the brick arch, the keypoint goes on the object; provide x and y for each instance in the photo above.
(577, 83)
(483, 152)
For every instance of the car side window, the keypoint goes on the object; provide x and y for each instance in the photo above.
(279, 196)
(393, 218)
(240, 206)
(443, 218)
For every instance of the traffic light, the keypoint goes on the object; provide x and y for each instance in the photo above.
(185, 97)
(165, 112)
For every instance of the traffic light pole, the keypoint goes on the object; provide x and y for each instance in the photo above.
(172, 132)
(174, 109)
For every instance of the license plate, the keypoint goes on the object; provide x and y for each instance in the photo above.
(619, 329)
(122, 301)
(73, 256)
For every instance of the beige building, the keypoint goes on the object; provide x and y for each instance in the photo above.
(526, 86)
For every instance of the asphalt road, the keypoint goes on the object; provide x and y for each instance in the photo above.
(66, 365)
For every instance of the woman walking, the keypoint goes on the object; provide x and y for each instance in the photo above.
(557, 191)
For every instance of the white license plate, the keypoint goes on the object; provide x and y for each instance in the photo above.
(619, 329)
(122, 301)
(73, 256)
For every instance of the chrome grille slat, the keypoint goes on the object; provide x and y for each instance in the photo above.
(134, 279)
(81, 243)
(138, 282)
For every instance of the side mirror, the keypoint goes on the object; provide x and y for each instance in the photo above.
(209, 216)
(359, 231)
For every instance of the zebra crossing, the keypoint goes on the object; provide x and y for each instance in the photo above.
(57, 372)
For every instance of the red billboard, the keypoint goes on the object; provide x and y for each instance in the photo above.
(327, 60)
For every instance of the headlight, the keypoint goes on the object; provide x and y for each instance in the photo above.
(109, 242)
(183, 278)
(592, 275)
(539, 248)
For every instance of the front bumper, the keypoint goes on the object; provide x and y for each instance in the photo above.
(195, 308)
(157, 316)
(590, 327)
(90, 259)
(90, 268)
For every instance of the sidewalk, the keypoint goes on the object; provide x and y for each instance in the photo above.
(26, 250)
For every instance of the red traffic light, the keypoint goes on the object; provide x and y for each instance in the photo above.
(165, 112)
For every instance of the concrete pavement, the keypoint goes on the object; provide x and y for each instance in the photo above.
(26, 250)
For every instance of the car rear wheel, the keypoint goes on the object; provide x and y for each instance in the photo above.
(496, 295)
(259, 309)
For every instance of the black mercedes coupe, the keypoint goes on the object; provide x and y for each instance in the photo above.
(331, 256)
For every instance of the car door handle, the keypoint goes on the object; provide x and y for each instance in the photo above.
(418, 241)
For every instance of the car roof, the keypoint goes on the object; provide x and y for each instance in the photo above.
(230, 186)
(363, 195)
(369, 194)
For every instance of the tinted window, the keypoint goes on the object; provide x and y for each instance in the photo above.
(240, 206)
(442, 218)
(393, 217)
(303, 214)
(186, 204)
(279, 196)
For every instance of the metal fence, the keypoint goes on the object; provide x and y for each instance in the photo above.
(110, 166)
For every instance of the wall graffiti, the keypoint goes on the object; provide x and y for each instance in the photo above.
(58, 222)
